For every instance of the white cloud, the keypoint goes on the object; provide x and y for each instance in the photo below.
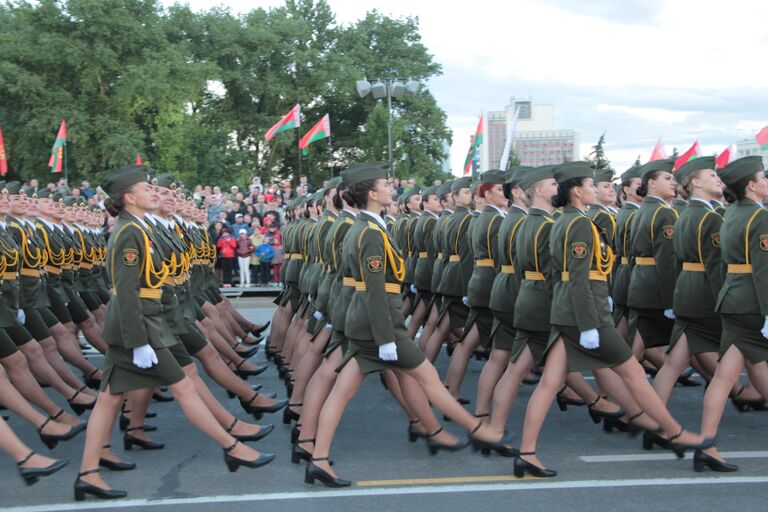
(656, 115)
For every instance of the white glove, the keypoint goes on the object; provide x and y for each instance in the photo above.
(329, 327)
(610, 303)
(318, 315)
(414, 290)
(764, 330)
(21, 317)
(144, 357)
(388, 352)
(465, 301)
(590, 339)
(309, 299)
(669, 314)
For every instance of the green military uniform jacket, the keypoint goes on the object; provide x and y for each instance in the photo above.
(652, 283)
(532, 261)
(329, 289)
(624, 260)
(33, 258)
(697, 250)
(408, 249)
(10, 264)
(485, 249)
(507, 282)
(441, 256)
(425, 251)
(458, 268)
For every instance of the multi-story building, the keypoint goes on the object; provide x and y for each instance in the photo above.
(750, 147)
(536, 141)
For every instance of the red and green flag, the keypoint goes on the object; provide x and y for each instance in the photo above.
(658, 152)
(56, 162)
(321, 130)
(724, 158)
(762, 138)
(3, 157)
(289, 121)
(692, 153)
(474, 144)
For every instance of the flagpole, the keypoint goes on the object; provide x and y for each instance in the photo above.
(66, 169)
(298, 134)
(330, 154)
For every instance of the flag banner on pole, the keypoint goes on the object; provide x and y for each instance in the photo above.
(138, 160)
(321, 130)
(508, 145)
(3, 156)
(762, 138)
(289, 121)
(658, 152)
(692, 153)
(724, 158)
(475, 142)
(56, 162)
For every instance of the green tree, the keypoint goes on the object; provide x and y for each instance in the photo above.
(596, 157)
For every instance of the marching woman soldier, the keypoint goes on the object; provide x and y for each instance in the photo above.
(374, 325)
(583, 336)
(624, 321)
(412, 206)
(652, 282)
(425, 256)
(141, 351)
(743, 299)
(484, 243)
(457, 270)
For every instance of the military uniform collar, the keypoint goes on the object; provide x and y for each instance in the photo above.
(631, 204)
(572, 209)
(601, 207)
(50, 225)
(536, 211)
(697, 201)
(349, 212)
(522, 210)
(717, 204)
(656, 199)
(493, 207)
(446, 211)
(376, 217)
(432, 214)
(462, 209)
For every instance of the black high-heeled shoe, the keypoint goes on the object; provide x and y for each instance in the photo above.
(653, 438)
(623, 426)
(680, 448)
(564, 401)
(51, 440)
(30, 475)
(499, 447)
(597, 416)
(522, 467)
(435, 447)
(298, 453)
(82, 488)
(129, 441)
(413, 433)
(256, 331)
(254, 387)
(315, 472)
(159, 397)
(245, 354)
(701, 460)
(244, 374)
(80, 408)
(291, 415)
(233, 463)
(257, 410)
(113, 465)
(125, 421)
(261, 434)
(686, 379)
(295, 431)
(91, 381)
(745, 404)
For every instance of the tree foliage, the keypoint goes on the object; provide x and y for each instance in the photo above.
(194, 92)
(596, 157)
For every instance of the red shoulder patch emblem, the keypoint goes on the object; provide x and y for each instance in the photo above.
(668, 231)
(764, 242)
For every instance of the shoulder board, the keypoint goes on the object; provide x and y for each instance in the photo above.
(374, 225)
(347, 220)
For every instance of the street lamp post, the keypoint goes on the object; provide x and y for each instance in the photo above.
(391, 88)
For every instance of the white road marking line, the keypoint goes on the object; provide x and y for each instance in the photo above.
(396, 491)
(647, 457)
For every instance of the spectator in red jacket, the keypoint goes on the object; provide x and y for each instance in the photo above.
(244, 251)
(227, 245)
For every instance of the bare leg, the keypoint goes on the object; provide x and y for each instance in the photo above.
(70, 351)
(316, 394)
(14, 447)
(674, 366)
(506, 390)
(216, 368)
(53, 357)
(416, 406)
(489, 377)
(726, 376)
(436, 340)
(13, 401)
(429, 327)
(461, 355)
(417, 318)
(309, 364)
(40, 368)
(92, 333)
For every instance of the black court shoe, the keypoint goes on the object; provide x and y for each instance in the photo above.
(256, 331)
(298, 453)
(115, 466)
(523, 466)
(244, 374)
(680, 448)
(30, 475)
(290, 415)
(623, 426)
(129, 441)
(435, 447)
(564, 401)
(80, 408)
(597, 416)
(653, 438)
(51, 440)
(82, 488)
(415, 434)
(159, 397)
(499, 447)
(233, 463)
(261, 434)
(254, 387)
(744, 405)
(245, 354)
(91, 381)
(314, 472)
(125, 421)
(701, 460)
(257, 410)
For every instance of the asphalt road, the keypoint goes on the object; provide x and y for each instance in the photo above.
(596, 470)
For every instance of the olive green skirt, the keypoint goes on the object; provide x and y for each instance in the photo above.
(193, 340)
(336, 340)
(483, 319)
(654, 327)
(122, 375)
(366, 353)
(503, 334)
(536, 341)
(613, 350)
(7, 346)
(744, 332)
(455, 309)
(702, 334)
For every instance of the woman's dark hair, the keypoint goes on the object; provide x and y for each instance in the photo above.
(115, 203)
(736, 191)
(563, 191)
(507, 188)
(336, 200)
(356, 195)
(642, 190)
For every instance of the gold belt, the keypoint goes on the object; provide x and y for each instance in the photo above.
(53, 270)
(150, 293)
(423, 255)
(645, 261)
(740, 268)
(86, 266)
(297, 256)
(31, 272)
(348, 281)
(508, 269)
(487, 262)
(594, 275)
(388, 287)
(534, 276)
(693, 266)
(439, 255)
(454, 258)
(9, 276)
(169, 281)
(66, 266)
(624, 260)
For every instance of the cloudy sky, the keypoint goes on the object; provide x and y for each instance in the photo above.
(639, 70)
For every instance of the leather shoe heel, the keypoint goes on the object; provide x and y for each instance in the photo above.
(129, 441)
(82, 488)
(314, 472)
(523, 466)
(701, 460)
(31, 475)
(233, 463)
